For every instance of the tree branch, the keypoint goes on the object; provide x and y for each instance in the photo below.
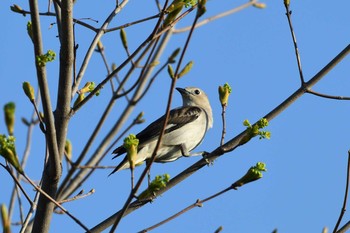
(227, 147)
(92, 47)
(343, 209)
(50, 175)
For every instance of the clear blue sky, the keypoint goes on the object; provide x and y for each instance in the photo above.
(252, 50)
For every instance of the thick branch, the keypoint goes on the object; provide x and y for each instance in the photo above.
(50, 175)
(65, 75)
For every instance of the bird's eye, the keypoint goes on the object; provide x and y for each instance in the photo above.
(197, 92)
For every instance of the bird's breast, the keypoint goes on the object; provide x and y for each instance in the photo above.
(190, 134)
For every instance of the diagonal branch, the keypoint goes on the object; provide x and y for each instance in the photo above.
(227, 147)
(215, 17)
(92, 47)
(343, 209)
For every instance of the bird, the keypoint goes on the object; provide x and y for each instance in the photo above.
(185, 130)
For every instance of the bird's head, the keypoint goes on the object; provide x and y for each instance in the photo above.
(194, 96)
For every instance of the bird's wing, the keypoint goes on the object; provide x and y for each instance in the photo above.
(177, 118)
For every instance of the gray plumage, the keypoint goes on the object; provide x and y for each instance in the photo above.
(185, 130)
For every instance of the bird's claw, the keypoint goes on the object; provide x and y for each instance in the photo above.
(207, 160)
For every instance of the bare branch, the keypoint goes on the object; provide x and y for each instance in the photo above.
(43, 193)
(328, 96)
(93, 44)
(53, 169)
(80, 195)
(221, 15)
(288, 14)
(343, 209)
(227, 147)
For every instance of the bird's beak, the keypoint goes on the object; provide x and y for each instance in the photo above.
(181, 90)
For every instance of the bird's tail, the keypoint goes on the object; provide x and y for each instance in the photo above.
(124, 164)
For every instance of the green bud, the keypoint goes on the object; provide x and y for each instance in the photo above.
(172, 57)
(246, 123)
(139, 119)
(29, 91)
(287, 3)
(100, 47)
(219, 229)
(190, 3)
(49, 56)
(88, 87)
(259, 5)
(154, 63)
(68, 149)
(17, 9)
(254, 130)
(262, 123)
(5, 219)
(157, 184)
(30, 30)
(123, 38)
(186, 69)
(175, 5)
(253, 174)
(42, 116)
(114, 66)
(9, 111)
(130, 144)
(224, 93)
(80, 98)
(8, 151)
(172, 15)
(25, 121)
(201, 8)
(171, 71)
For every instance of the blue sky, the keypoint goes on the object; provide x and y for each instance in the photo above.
(252, 50)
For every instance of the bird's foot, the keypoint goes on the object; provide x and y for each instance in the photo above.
(207, 160)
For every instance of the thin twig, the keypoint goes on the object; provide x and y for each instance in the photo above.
(93, 44)
(131, 23)
(345, 228)
(152, 37)
(328, 96)
(218, 16)
(80, 195)
(25, 154)
(223, 116)
(77, 163)
(151, 82)
(42, 192)
(288, 14)
(143, 175)
(41, 121)
(30, 212)
(167, 113)
(101, 50)
(77, 21)
(343, 209)
(20, 205)
(95, 167)
(8, 169)
(198, 203)
(74, 183)
(228, 146)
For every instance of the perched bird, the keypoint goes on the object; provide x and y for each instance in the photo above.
(184, 131)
